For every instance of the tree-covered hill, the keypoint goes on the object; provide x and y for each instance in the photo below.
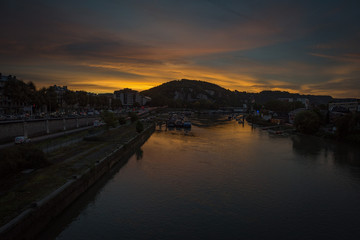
(266, 96)
(200, 94)
(193, 93)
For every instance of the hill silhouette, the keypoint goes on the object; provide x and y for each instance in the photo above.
(201, 94)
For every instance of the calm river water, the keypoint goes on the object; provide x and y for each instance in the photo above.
(223, 181)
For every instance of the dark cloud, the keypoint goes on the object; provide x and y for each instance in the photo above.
(259, 44)
(41, 31)
(340, 84)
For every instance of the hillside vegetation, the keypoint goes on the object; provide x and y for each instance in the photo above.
(193, 94)
(200, 94)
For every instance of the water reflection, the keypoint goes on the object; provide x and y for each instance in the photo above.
(307, 146)
(139, 154)
(88, 199)
(342, 153)
(209, 120)
(227, 181)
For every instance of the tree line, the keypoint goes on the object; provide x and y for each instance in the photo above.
(26, 94)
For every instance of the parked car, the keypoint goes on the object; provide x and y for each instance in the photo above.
(98, 123)
(22, 140)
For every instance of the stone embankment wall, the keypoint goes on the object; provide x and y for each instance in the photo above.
(33, 128)
(32, 221)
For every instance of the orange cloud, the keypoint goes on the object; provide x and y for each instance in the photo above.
(158, 44)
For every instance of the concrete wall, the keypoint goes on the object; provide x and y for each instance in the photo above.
(71, 123)
(56, 125)
(30, 223)
(33, 128)
(86, 121)
(9, 131)
(37, 128)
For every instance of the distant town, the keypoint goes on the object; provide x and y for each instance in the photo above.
(22, 101)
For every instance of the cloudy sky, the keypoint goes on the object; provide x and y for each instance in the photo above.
(310, 47)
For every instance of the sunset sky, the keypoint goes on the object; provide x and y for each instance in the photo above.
(310, 47)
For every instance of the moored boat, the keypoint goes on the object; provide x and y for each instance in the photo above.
(187, 124)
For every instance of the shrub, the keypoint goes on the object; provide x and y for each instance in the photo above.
(18, 158)
(108, 118)
(122, 120)
(139, 127)
(347, 125)
(307, 122)
(133, 116)
(33, 158)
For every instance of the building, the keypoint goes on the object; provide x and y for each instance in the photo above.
(8, 105)
(3, 98)
(279, 118)
(286, 99)
(351, 106)
(60, 91)
(304, 101)
(126, 96)
(129, 97)
(108, 96)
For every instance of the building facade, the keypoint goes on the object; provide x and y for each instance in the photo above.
(304, 101)
(7, 105)
(352, 106)
(129, 97)
(60, 91)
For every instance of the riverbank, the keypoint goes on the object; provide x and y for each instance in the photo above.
(29, 206)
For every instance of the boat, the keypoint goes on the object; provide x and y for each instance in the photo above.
(171, 123)
(179, 123)
(187, 124)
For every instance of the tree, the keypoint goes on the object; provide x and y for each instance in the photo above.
(139, 127)
(346, 125)
(133, 116)
(115, 103)
(108, 118)
(282, 106)
(122, 120)
(70, 98)
(19, 92)
(51, 98)
(307, 122)
(41, 99)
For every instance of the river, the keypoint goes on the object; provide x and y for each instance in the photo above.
(223, 181)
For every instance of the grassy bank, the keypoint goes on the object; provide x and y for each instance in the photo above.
(17, 158)
(24, 189)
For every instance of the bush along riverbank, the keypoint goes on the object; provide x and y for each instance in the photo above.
(19, 158)
(30, 205)
(345, 128)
